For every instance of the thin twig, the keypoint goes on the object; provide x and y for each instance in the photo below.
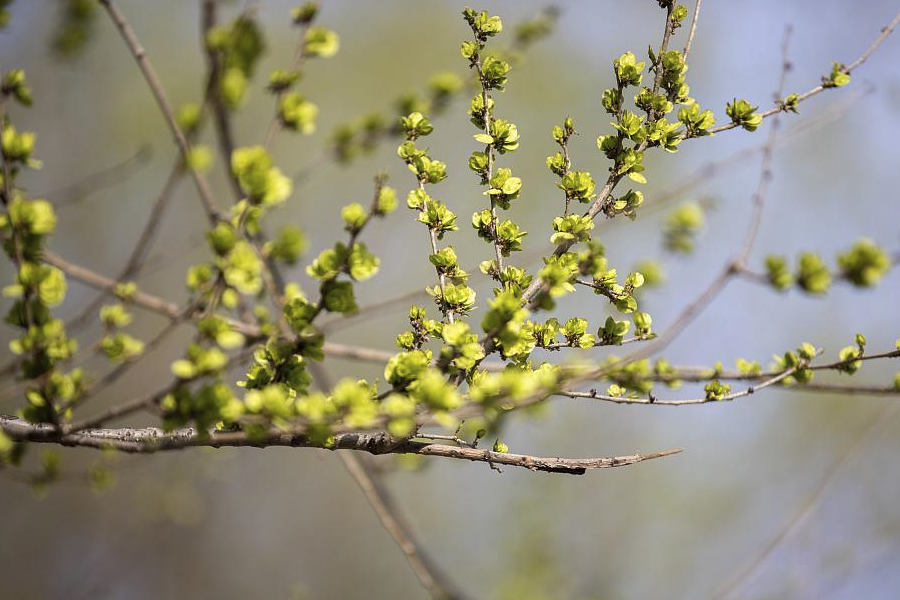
(693, 31)
(380, 499)
(140, 55)
(765, 175)
(744, 574)
(704, 400)
(778, 108)
(73, 193)
(139, 251)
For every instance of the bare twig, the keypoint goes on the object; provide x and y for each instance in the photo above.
(744, 574)
(765, 175)
(141, 247)
(693, 31)
(778, 108)
(703, 400)
(140, 55)
(385, 507)
(92, 183)
(382, 502)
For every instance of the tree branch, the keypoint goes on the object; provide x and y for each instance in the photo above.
(152, 439)
(778, 108)
(140, 55)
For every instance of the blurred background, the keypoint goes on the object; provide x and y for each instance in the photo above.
(288, 523)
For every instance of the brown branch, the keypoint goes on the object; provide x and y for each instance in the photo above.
(95, 280)
(382, 502)
(704, 373)
(140, 55)
(224, 133)
(152, 439)
(379, 497)
(766, 379)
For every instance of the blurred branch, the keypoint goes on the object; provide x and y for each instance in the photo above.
(92, 183)
(765, 173)
(141, 247)
(744, 574)
(140, 55)
(380, 499)
(224, 133)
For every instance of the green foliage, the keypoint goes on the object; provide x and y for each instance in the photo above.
(743, 114)
(356, 261)
(239, 46)
(573, 228)
(628, 70)
(812, 274)
(578, 185)
(778, 272)
(696, 122)
(121, 347)
(288, 245)
(838, 77)
(864, 264)
(297, 113)
(504, 188)
(320, 42)
(73, 28)
(14, 85)
(682, 226)
(263, 183)
(715, 390)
